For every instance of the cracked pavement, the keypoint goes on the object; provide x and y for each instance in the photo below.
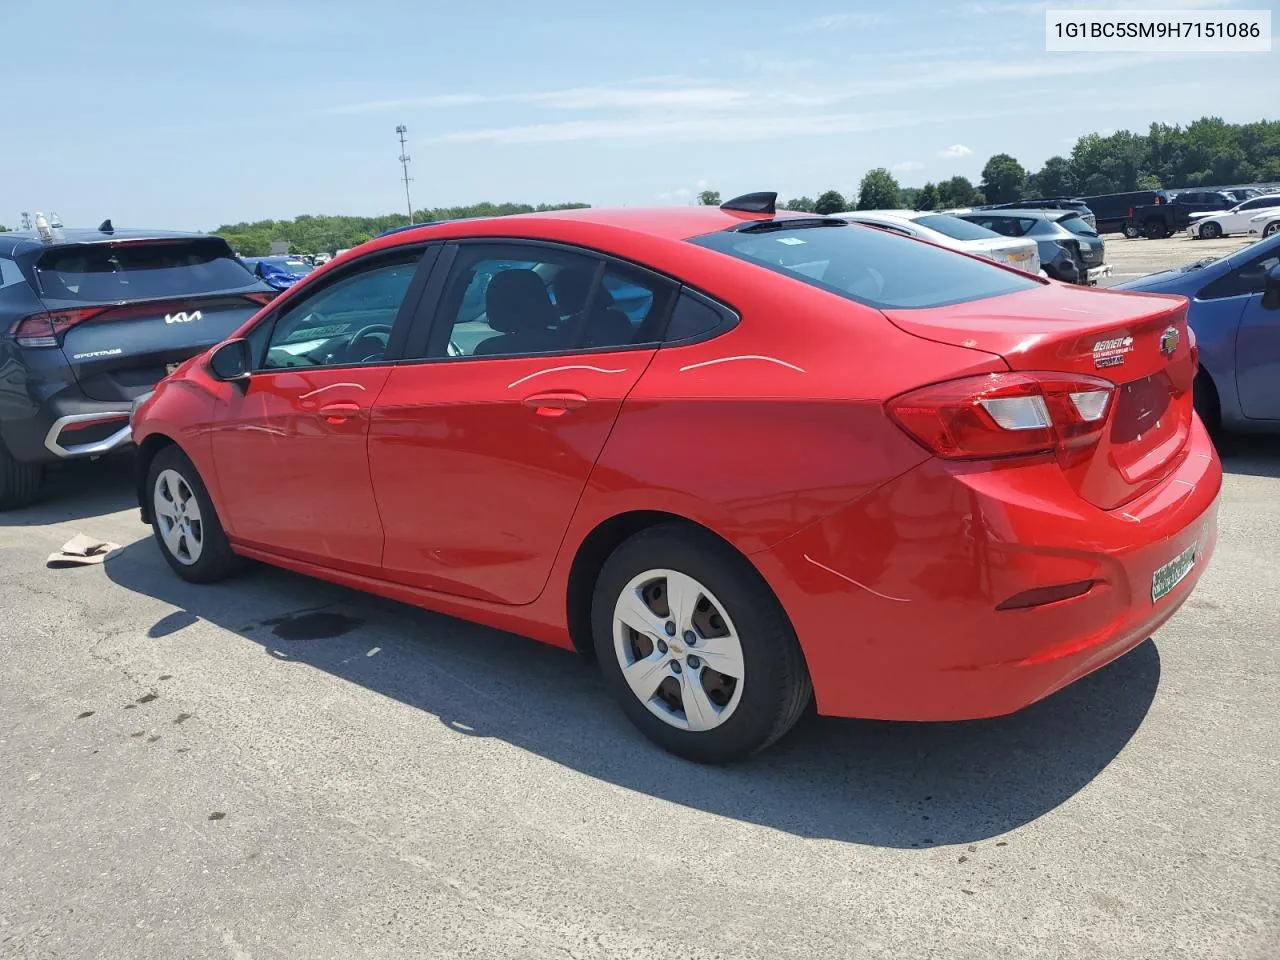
(278, 768)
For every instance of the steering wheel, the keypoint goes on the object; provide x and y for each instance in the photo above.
(374, 331)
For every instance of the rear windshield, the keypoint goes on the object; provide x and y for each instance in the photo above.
(1078, 226)
(871, 267)
(955, 228)
(140, 271)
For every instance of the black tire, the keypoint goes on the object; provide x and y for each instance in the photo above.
(1271, 229)
(1156, 230)
(1204, 396)
(19, 482)
(776, 687)
(216, 560)
(1131, 231)
(1210, 231)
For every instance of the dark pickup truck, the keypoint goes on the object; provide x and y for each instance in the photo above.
(1167, 216)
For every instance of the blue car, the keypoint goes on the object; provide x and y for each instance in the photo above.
(279, 272)
(1235, 315)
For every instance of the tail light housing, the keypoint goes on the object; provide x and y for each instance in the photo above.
(1006, 415)
(44, 329)
(262, 297)
(1195, 351)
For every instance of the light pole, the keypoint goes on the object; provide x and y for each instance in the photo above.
(401, 129)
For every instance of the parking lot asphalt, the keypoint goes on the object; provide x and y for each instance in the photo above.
(1131, 259)
(277, 768)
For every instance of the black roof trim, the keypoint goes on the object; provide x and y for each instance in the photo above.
(787, 223)
(765, 202)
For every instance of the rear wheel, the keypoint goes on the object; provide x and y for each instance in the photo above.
(19, 482)
(1271, 229)
(1156, 230)
(184, 522)
(695, 647)
(1131, 230)
(1205, 397)
(1210, 231)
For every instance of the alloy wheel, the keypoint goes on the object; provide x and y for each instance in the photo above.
(177, 512)
(678, 649)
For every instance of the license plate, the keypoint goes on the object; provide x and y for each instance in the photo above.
(1173, 572)
(170, 367)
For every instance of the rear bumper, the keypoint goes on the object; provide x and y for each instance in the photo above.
(67, 426)
(1099, 272)
(894, 598)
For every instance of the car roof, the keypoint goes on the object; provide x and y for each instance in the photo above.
(14, 242)
(669, 223)
(1037, 213)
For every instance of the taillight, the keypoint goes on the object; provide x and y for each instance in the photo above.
(43, 329)
(1195, 351)
(262, 297)
(1006, 414)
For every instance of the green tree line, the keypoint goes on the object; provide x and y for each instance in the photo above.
(326, 234)
(1207, 152)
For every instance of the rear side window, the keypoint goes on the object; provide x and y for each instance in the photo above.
(140, 270)
(9, 272)
(1005, 226)
(695, 318)
(1078, 226)
(869, 266)
(954, 227)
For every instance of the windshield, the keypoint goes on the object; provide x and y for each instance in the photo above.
(870, 266)
(955, 228)
(141, 270)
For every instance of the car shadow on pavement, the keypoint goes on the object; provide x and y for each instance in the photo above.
(79, 490)
(1251, 455)
(885, 784)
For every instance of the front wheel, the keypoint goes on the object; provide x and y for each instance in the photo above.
(184, 522)
(1131, 231)
(695, 647)
(1210, 231)
(1271, 229)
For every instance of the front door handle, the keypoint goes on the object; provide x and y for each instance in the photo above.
(339, 412)
(555, 403)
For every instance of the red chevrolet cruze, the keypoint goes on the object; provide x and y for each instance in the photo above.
(744, 458)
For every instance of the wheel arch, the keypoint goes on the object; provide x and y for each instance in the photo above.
(596, 547)
(147, 451)
(1213, 400)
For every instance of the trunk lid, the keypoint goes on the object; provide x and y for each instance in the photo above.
(1139, 342)
(127, 349)
(127, 310)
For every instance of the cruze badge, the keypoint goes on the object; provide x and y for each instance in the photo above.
(1169, 341)
(1110, 353)
(182, 317)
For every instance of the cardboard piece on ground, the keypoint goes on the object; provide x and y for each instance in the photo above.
(81, 551)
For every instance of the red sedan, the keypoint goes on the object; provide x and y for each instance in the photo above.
(746, 459)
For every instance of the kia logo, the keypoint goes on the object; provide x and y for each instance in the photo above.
(182, 317)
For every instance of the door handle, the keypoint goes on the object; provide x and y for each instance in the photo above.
(339, 412)
(555, 403)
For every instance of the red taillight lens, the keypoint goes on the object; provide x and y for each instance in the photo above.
(1006, 414)
(43, 329)
(263, 297)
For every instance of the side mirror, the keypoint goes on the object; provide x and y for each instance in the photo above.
(1271, 289)
(231, 361)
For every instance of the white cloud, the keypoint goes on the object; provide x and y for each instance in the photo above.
(576, 98)
(1037, 8)
(955, 150)
(840, 21)
(906, 166)
(702, 184)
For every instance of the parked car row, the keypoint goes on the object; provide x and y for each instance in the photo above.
(895, 445)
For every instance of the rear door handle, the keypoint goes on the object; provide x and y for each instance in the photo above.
(555, 403)
(339, 412)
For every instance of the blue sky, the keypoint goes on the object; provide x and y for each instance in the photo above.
(192, 114)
